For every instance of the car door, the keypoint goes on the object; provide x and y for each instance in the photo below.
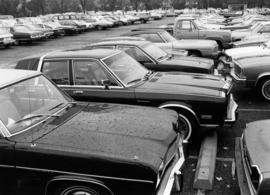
(7, 164)
(92, 81)
(185, 29)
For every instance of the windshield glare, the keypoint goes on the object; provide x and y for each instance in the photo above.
(154, 51)
(35, 96)
(125, 68)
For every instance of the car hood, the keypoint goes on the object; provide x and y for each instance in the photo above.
(112, 132)
(257, 136)
(242, 52)
(188, 61)
(194, 43)
(170, 85)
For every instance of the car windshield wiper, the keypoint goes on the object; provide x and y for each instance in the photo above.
(134, 81)
(57, 106)
(36, 116)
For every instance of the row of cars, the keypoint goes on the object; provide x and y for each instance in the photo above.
(249, 55)
(54, 25)
(140, 148)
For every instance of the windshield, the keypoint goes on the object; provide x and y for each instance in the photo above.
(126, 68)
(256, 27)
(167, 36)
(32, 99)
(154, 51)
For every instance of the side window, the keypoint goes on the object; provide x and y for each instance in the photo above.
(186, 25)
(88, 72)
(103, 47)
(57, 71)
(155, 38)
(28, 64)
(136, 53)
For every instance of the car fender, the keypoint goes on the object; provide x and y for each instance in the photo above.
(181, 105)
(70, 178)
(261, 76)
(217, 39)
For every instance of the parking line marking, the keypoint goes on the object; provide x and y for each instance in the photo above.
(253, 109)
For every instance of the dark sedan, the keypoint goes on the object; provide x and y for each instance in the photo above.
(156, 59)
(113, 76)
(22, 33)
(52, 145)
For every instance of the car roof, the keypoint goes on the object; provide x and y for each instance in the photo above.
(82, 53)
(144, 31)
(122, 42)
(9, 76)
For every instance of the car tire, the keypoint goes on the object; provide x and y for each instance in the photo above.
(78, 189)
(264, 88)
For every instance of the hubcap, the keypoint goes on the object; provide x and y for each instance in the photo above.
(79, 191)
(266, 90)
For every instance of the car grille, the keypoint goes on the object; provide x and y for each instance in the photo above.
(253, 171)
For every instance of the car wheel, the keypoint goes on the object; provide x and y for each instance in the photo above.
(265, 89)
(79, 190)
(186, 126)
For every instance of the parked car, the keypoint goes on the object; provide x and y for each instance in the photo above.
(187, 28)
(6, 38)
(254, 70)
(50, 144)
(252, 158)
(156, 59)
(111, 75)
(22, 33)
(195, 47)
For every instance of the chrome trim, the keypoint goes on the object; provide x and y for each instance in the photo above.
(96, 86)
(63, 178)
(7, 166)
(237, 78)
(181, 106)
(85, 175)
(209, 125)
(246, 171)
(176, 169)
(231, 111)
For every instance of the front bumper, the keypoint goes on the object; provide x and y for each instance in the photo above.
(172, 179)
(232, 114)
(244, 181)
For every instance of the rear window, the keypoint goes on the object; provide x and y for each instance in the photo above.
(28, 64)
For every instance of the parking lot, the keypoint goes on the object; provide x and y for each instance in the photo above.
(251, 108)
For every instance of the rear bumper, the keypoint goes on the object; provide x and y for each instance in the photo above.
(172, 179)
(244, 181)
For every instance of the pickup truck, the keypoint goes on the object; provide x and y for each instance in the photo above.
(189, 28)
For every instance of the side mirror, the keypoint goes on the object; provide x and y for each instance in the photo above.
(105, 83)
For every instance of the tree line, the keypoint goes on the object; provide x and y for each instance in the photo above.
(21, 8)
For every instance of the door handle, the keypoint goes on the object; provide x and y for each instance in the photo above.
(78, 92)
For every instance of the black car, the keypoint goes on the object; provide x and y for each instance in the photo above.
(156, 59)
(51, 145)
(113, 76)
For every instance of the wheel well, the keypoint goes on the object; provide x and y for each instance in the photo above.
(220, 44)
(183, 110)
(261, 79)
(54, 184)
(196, 52)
